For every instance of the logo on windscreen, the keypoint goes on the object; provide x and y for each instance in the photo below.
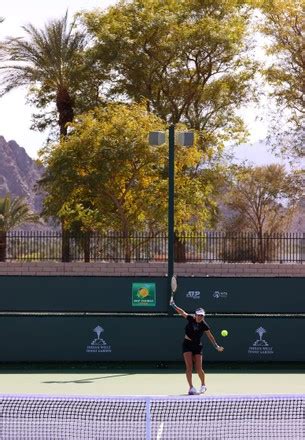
(193, 294)
(98, 344)
(260, 345)
(217, 294)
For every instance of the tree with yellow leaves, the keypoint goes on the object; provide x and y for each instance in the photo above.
(105, 176)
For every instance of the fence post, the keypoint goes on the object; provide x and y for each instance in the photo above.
(302, 248)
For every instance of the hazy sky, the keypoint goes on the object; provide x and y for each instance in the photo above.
(15, 114)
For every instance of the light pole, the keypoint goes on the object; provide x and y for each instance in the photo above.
(184, 139)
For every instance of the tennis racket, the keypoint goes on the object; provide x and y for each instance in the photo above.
(173, 290)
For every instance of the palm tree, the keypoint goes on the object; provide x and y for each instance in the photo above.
(50, 61)
(13, 213)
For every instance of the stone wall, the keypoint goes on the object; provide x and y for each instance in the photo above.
(152, 269)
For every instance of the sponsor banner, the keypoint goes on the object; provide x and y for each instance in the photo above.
(143, 295)
(80, 294)
(131, 338)
(113, 294)
(242, 294)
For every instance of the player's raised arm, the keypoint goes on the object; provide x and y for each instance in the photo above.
(179, 310)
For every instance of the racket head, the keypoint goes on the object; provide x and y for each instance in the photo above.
(173, 288)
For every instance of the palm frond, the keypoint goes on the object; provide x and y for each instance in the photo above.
(44, 55)
(15, 212)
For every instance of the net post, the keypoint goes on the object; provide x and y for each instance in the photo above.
(147, 418)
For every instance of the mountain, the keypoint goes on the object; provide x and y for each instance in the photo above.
(19, 173)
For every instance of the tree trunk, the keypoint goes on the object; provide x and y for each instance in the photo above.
(179, 250)
(87, 246)
(261, 250)
(2, 246)
(64, 104)
(65, 254)
(127, 247)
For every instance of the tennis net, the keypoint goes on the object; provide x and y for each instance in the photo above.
(153, 418)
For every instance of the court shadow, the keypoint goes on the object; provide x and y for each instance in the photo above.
(88, 380)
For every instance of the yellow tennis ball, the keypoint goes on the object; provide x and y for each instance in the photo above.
(224, 333)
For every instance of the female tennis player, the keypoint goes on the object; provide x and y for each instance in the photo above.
(192, 346)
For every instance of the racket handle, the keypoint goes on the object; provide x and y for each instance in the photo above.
(172, 303)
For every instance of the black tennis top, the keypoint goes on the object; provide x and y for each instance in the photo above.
(194, 330)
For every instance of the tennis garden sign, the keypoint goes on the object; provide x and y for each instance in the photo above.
(260, 345)
(143, 294)
(98, 344)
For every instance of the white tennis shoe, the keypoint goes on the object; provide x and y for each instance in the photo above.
(192, 391)
(203, 389)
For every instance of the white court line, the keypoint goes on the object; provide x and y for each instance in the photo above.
(160, 431)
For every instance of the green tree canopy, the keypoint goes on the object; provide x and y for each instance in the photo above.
(105, 175)
(185, 58)
(285, 29)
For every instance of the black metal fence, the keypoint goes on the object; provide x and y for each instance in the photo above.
(114, 246)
